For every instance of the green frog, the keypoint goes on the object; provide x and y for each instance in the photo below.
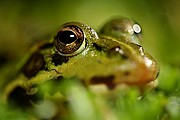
(111, 57)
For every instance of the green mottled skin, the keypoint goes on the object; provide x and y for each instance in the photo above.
(97, 60)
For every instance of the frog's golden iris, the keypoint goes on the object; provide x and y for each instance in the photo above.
(69, 40)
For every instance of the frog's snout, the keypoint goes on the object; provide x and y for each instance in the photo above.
(152, 66)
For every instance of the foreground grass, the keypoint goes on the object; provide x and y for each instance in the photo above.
(162, 103)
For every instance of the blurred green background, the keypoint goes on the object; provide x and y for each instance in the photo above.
(23, 22)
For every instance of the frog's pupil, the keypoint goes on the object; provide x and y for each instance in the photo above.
(67, 37)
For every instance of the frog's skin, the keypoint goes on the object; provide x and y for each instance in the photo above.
(112, 57)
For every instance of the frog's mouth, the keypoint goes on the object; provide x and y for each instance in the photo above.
(104, 84)
(106, 88)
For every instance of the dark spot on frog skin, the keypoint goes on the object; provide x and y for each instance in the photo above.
(59, 78)
(127, 73)
(34, 65)
(108, 80)
(99, 48)
(19, 97)
(3, 58)
(58, 59)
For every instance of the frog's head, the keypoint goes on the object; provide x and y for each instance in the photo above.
(112, 57)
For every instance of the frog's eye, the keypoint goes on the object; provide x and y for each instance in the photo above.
(70, 40)
(123, 27)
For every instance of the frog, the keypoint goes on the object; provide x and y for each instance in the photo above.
(110, 57)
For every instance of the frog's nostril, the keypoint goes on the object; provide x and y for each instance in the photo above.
(117, 50)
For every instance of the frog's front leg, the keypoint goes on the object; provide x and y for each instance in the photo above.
(22, 90)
